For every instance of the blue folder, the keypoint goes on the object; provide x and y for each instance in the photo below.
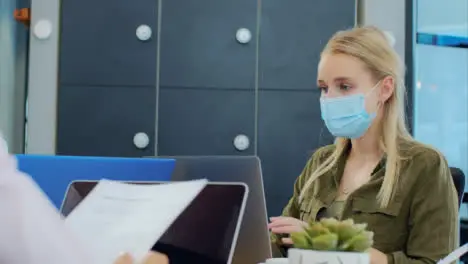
(53, 174)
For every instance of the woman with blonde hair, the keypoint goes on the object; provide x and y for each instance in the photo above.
(375, 172)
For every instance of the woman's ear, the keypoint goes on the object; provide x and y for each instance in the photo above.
(387, 88)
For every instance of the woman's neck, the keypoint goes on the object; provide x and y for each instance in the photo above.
(367, 146)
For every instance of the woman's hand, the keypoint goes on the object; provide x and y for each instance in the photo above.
(377, 257)
(286, 225)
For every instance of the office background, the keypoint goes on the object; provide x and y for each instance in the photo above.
(192, 88)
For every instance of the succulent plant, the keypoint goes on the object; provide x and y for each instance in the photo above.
(330, 234)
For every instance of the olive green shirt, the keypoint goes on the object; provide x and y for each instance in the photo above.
(420, 225)
(335, 210)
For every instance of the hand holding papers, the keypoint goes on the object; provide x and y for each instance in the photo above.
(115, 218)
(118, 217)
(31, 229)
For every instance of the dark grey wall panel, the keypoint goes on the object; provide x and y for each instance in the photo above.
(98, 43)
(293, 33)
(290, 129)
(102, 121)
(198, 121)
(198, 44)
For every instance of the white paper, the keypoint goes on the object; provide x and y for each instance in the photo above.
(455, 255)
(32, 231)
(117, 217)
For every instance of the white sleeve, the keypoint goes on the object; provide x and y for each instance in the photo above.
(32, 231)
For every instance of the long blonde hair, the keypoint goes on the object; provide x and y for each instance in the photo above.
(371, 46)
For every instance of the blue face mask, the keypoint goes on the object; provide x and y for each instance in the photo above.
(346, 116)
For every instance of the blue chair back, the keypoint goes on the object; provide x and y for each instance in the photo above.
(53, 174)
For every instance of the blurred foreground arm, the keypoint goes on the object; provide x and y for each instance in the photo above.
(151, 258)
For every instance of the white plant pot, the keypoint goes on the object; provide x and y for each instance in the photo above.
(302, 256)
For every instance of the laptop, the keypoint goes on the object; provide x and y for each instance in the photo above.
(206, 232)
(254, 244)
(54, 174)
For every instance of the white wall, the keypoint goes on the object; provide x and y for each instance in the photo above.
(388, 15)
(7, 58)
(12, 64)
(42, 91)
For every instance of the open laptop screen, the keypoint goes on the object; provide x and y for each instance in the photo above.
(206, 232)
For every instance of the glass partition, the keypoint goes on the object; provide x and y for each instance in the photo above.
(441, 76)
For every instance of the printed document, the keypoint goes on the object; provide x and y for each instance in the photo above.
(118, 217)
